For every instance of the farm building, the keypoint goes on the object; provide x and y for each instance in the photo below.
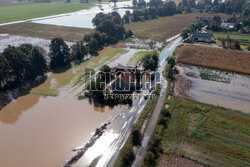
(202, 37)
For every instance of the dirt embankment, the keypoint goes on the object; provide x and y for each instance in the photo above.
(181, 84)
(216, 58)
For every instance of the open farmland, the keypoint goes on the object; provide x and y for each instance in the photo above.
(221, 59)
(29, 11)
(206, 134)
(165, 27)
(69, 34)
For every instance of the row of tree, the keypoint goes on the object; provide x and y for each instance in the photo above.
(26, 62)
(112, 25)
(230, 6)
(156, 9)
(19, 64)
(192, 29)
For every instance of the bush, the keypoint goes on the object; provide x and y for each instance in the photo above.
(127, 156)
(136, 136)
(171, 61)
(148, 159)
(237, 45)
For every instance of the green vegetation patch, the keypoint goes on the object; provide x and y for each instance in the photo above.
(137, 58)
(244, 39)
(208, 75)
(29, 11)
(210, 135)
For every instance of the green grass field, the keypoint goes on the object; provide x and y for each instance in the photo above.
(137, 58)
(29, 11)
(206, 134)
(244, 39)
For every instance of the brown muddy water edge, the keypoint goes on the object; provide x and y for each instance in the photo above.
(42, 131)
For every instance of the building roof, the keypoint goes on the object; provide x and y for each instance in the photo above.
(202, 35)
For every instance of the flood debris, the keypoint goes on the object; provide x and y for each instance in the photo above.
(81, 151)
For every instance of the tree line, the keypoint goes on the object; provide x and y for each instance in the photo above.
(156, 9)
(27, 62)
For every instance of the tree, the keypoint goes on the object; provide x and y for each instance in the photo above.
(237, 45)
(150, 62)
(171, 61)
(78, 51)
(136, 136)
(59, 53)
(127, 156)
(19, 62)
(184, 34)
(223, 42)
(93, 45)
(142, 4)
(87, 38)
(114, 1)
(105, 72)
(134, 3)
(155, 3)
(217, 19)
(98, 19)
(4, 70)
(248, 47)
(39, 64)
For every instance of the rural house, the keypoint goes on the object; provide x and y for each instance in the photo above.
(202, 37)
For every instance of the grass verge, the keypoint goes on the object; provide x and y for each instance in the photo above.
(137, 58)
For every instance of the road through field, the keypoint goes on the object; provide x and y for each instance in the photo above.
(107, 147)
(151, 126)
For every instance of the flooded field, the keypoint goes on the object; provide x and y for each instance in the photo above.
(224, 89)
(16, 40)
(41, 131)
(83, 18)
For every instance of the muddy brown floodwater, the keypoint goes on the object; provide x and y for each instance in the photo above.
(37, 131)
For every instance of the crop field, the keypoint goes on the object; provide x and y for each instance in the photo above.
(221, 59)
(206, 134)
(244, 39)
(165, 27)
(35, 10)
(69, 34)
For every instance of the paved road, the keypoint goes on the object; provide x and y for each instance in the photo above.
(167, 52)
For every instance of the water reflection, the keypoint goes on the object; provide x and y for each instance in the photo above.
(11, 112)
(47, 129)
